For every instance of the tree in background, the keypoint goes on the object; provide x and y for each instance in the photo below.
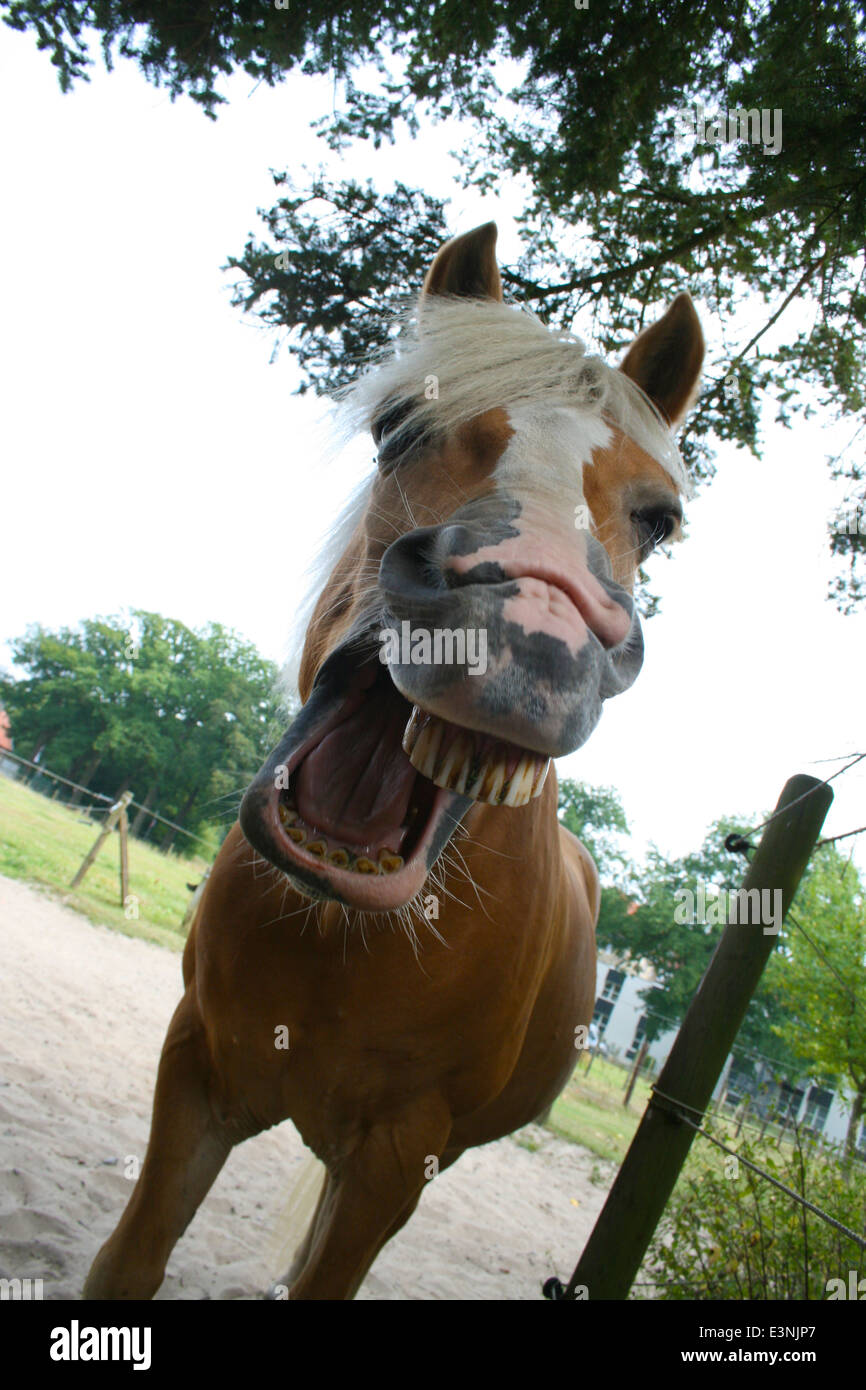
(820, 976)
(184, 718)
(596, 816)
(680, 951)
(625, 204)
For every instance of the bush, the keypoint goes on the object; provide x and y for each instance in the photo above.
(729, 1234)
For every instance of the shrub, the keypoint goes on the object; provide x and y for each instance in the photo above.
(729, 1234)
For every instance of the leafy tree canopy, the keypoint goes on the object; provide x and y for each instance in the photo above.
(596, 816)
(184, 718)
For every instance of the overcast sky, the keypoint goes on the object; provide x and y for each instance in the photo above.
(153, 458)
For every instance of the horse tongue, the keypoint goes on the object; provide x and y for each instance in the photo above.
(355, 785)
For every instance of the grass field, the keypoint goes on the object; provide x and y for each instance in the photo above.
(44, 843)
(590, 1110)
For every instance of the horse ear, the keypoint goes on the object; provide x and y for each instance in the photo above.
(467, 266)
(665, 360)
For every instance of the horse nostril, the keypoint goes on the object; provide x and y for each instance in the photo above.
(408, 570)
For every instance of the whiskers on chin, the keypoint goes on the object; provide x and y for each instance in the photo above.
(444, 883)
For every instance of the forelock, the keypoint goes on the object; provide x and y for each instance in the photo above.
(455, 359)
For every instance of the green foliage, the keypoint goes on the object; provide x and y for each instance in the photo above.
(596, 816)
(184, 718)
(327, 296)
(678, 952)
(801, 1013)
(621, 214)
(819, 978)
(729, 1234)
(187, 48)
(803, 1018)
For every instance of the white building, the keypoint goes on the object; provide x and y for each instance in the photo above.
(620, 1018)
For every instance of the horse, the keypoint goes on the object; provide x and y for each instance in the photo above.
(395, 948)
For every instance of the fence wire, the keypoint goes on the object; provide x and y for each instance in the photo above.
(679, 1109)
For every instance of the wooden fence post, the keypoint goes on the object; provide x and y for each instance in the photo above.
(123, 829)
(640, 1193)
(118, 809)
(635, 1071)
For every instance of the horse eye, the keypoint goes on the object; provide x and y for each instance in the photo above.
(393, 442)
(654, 525)
(386, 421)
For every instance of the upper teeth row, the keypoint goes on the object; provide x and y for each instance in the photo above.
(462, 769)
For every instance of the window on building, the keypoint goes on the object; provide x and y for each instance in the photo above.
(788, 1100)
(818, 1104)
(613, 984)
(601, 1015)
(741, 1083)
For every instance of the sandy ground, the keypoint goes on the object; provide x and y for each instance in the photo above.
(83, 1012)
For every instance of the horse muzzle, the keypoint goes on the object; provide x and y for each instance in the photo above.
(460, 689)
(491, 628)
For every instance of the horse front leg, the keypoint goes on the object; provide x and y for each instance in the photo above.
(187, 1148)
(367, 1199)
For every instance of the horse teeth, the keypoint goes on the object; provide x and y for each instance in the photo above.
(540, 776)
(412, 730)
(460, 770)
(520, 786)
(421, 740)
(494, 781)
(389, 862)
(456, 765)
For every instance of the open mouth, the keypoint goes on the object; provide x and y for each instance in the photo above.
(365, 790)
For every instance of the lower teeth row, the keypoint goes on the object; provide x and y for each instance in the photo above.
(386, 862)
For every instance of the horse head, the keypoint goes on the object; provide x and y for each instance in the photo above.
(483, 608)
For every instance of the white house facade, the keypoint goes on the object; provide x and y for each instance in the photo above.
(620, 1018)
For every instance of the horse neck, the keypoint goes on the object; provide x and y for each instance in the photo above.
(505, 861)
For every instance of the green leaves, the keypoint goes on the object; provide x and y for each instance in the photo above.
(339, 266)
(820, 976)
(808, 1014)
(728, 1234)
(639, 921)
(596, 816)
